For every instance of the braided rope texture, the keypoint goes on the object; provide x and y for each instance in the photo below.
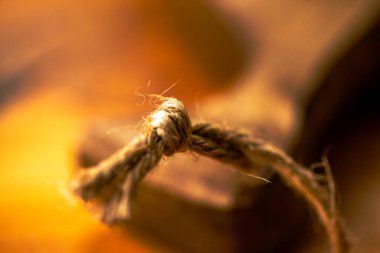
(112, 184)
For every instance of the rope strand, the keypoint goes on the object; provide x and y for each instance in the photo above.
(112, 184)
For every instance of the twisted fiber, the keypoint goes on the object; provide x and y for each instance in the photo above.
(246, 152)
(112, 184)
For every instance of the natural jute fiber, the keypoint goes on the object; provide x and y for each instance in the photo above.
(112, 184)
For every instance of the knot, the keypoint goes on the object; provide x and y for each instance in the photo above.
(170, 123)
(111, 185)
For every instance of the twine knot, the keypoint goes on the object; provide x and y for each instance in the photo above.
(171, 124)
(112, 184)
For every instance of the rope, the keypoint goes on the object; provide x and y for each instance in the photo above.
(112, 184)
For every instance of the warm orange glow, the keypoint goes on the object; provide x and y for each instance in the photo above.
(37, 213)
